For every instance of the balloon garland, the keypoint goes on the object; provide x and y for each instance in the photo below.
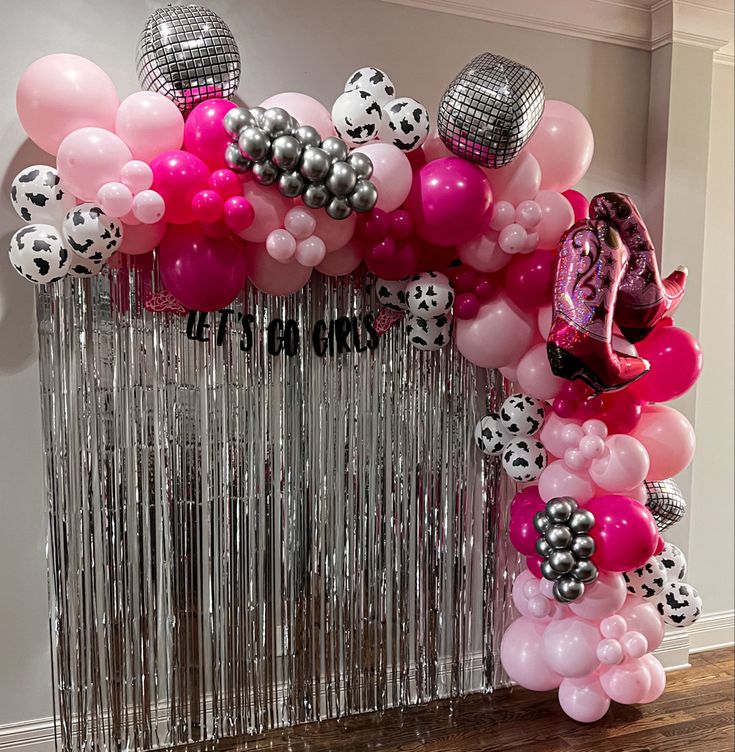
(475, 234)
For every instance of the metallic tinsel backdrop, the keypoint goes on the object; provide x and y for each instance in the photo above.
(241, 541)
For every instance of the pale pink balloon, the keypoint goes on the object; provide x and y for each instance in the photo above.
(88, 158)
(503, 215)
(545, 316)
(137, 175)
(629, 683)
(570, 647)
(335, 233)
(513, 238)
(520, 598)
(392, 174)
(639, 493)
(300, 222)
(604, 597)
(272, 276)
(563, 144)
(115, 199)
(343, 260)
(281, 245)
(623, 466)
(643, 617)
(311, 251)
(535, 376)
(306, 109)
(558, 217)
(522, 656)
(148, 207)
(498, 336)
(658, 678)
(552, 434)
(270, 211)
(149, 124)
(518, 181)
(583, 700)
(668, 438)
(61, 93)
(610, 652)
(139, 238)
(483, 253)
(558, 479)
(634, 644)
(509, 372)
(433, 148)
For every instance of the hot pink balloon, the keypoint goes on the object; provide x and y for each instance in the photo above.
(518, 181)
(61, 93)
(390, 260)
(624, 465)
(570, 646)
(579, 202)
(149, 124)
(534, 376)
(139, 238)
(392, 174)
(521, 532)
(306, 109)
(88, 158)
(563, 144)
(522, 655)
(270, 210)
(204, 273)
(558, 479)
(621, 411)
(204, 134)
(342, 261)
(558, 217)
(272, 276)
(629, 683)
(529, 279)
(483, 253)
(450, 201)
(583, 700)
(498, 336)
(207, 206)
(668, 438)
(178, 176)
(239, 213)
(604, 597)
(642, 616)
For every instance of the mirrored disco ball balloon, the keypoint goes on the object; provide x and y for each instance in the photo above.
(665, 502)
(490, 110)
(188, 54)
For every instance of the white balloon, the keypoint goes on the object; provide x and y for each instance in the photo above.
(356, 117)
(374, 81)
(405, 124)
(90, 233)
(39, 196)
(37, 253)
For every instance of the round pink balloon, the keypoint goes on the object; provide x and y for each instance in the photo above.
(583, 700)
(558, 217)
(558, 479)
(623, 467)
(272, 276)
(483, 253)
(534, 376)
(281, 245)
(521, 531)
(61, 93)
(604, 597)
(642, 616)
(335, 233)
(115, 199)
(450, 201)
(88, 158)
(520, 599)
(178, 176)
(204, 134)
(392, 174)
(433, 148)
(518, 181)
(499, 335)
(668, 438)
(552, 434)
(629, 683)
(149, 124)
(148, 207)
(342, 261)
(137, 175)
(563, 144)
(139, 238)
(529, 279)
(270, 210)
(522, 655)
(658, 678)
(570, 646)
(306, 109)
(203, 273)
(579, 202)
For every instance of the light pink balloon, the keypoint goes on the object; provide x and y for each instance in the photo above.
(534, 374)
(509, 372)
(563, 144)
(639, 493)
(518, 181)
(545, 315)
(658, 678)
(623, 467)
(335, 233)
(148, 207)
(498, 336)
(520, 600)
(570, 647)
(88, 158)
(61, 93)
(343, 260)
(433, 148)
(513, 238)
(522, 655)
(604, 597)
(503, 215)
(137, 175)
(583, 699)
(392, 174)
(552, 434)
(139, 238)
(610, 652)
(668, 438)
(115, 199)
(272, 276)
(558, 479)
(310, 251)
(483, 253)
(306, 109)
(558, 217)
(281, 245)
(629, 683)
(300, 222)
(149, 124)
(270, 211)
(643, 617)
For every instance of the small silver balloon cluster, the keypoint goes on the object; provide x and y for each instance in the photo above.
(278, 150)
(566, 546)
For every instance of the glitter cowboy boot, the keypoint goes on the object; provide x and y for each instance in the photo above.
(643, 298)
(592, 261)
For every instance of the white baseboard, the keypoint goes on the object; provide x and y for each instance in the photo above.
(28, 736)
(711, 631)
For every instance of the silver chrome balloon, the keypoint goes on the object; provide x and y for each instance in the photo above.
(665, 502)
(364, 196)
(560, 509)
(286, 152)
(490, 110)
(341, 179)
(541, 522)
(237, 119)
(265, 173)
(548, 571)
(316, 196)
(361, 164)
(257, 113)
(308, 135)
(543, 548)
(558, 536)
(583, 546)
(254, 144)
(275, 121)
(336, 148)
(188, 54)
(561, 561)
(585, 571)
(291, 184)
(315, 164)
(582, 521)
(234, 160)
(338, 208)
(568, 589)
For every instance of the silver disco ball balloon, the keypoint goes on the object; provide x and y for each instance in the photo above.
(490, 110)
(188, 54)
(665, 502)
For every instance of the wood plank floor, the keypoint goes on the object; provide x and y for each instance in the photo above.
(695, 714)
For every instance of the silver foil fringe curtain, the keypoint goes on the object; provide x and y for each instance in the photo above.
(240, 541)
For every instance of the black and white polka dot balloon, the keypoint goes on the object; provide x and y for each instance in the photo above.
(405, 124)
(673, 561)
(429, 294)
(356, 116)
(522, 415)
(38, 195)
(429, 334)
(647, 581)
(83, 267)
(490, 436)
(392, 293)
(679, 604)
(524, 458)
(37, 253)
(90, 233)
(374, 81)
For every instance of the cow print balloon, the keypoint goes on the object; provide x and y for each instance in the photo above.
(356, 117)
(38, 195)
(375, 82)
(405, 124)
(83, 267)
(90, 233)
(490, 436)
(392, 293)
(679, 604)
(429, 294)
(522, 415)
(524, 459)
(429, 334)
(646, 581)
(38, 254)
(674, 562)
